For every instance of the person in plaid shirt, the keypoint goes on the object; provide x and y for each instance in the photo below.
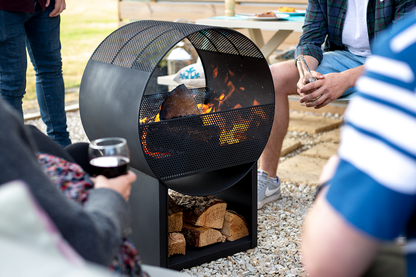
(345, 30)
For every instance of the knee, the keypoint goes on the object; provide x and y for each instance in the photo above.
(285, 76)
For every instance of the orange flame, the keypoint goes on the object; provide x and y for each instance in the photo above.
(204, 108)
(146, 120)
(234, 132)
(230, 137)
(215, 72)
(146, 149)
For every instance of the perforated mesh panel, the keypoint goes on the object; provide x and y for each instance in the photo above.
(238, 86)
(195, 144)
(142, 46)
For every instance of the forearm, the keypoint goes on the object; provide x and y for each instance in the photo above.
(312, 62)
(351, 76)
(331, 247)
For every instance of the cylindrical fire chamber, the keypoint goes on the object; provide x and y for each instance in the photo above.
(197, 154)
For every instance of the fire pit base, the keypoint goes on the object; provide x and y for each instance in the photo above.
(149, 204)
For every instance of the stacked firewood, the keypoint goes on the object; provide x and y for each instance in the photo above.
(201, 220)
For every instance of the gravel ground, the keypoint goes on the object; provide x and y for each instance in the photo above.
(279, 223)
(75, 128)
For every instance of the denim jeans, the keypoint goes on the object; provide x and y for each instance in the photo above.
(40, 34)
(338, 61)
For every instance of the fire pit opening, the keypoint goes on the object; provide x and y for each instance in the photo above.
(210, 150)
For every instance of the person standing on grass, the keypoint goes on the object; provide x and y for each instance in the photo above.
(371, 198)
(348, 28)
(34, 25)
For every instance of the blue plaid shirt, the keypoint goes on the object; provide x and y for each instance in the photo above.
(325, 20)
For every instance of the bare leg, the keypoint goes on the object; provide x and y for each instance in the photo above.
(285, 76)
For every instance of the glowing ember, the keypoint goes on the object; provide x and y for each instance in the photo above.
(229, 137)
(205, 108)
(151, 119)
(226, 94)
(215, 72)
(146, 148)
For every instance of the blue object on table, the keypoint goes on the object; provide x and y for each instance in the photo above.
(294, 18)
(240, 17)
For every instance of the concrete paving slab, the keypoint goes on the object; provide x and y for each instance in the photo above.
(312, 124)
(322, 150)
(333, 108)
(331, 136)
(301, 169)
(289, 145)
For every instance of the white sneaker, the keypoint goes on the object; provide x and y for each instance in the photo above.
(267, 189)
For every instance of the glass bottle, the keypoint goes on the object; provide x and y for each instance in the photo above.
(229, 7)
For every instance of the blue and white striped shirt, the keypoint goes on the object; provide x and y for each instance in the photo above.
(374, 187)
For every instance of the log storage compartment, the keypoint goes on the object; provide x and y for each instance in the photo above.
(211, 148)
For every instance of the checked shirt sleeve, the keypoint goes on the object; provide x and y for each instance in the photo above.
(403, 8)
(314, 32)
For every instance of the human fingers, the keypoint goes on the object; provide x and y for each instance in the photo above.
(120, 184)
(317, 75)
(310, 87)
(303, 87)
(300, 84)
(130, 176)
(123, 183)
(311, 92)
(323, 104)
(60, 6)
(317, 99)
(47, 3)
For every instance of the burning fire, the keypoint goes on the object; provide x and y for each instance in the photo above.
(233, 132)
(146, 148)
(146, 120)
(229, 137)
(232, 127)
(213, 102)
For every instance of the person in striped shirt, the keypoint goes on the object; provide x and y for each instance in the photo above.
(368, 196)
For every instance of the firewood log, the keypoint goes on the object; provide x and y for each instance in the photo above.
(175, 216)
(178, 103)
(201, 236)
(176, 244)
(207, 211)
(235, 226)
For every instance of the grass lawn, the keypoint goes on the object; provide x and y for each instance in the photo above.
(84, 24)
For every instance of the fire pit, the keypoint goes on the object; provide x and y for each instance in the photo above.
(212, 152)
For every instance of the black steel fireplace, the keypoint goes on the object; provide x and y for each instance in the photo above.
(211, 153)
